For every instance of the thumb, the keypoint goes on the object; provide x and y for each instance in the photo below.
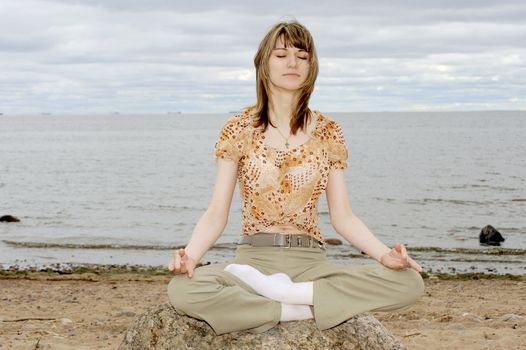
(181, 252)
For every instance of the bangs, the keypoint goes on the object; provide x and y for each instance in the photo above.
(294, 37)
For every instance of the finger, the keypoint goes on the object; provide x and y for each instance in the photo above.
(392, 262)
(396, 266)
(397, 262)
(395, 254)
(403, 251)
(177, 262)
(415, 265)
(190, 271)
(402, 263)
(181, 252)
(402, 254)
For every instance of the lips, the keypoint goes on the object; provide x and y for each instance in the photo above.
(292, 74)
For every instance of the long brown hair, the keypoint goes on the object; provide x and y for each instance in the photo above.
(294, 34)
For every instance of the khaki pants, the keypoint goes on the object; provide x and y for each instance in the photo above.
(228, 304)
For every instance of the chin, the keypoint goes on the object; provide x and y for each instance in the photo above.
(289, 87)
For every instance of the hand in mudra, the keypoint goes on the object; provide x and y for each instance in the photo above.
(398, 259)
(182, 263)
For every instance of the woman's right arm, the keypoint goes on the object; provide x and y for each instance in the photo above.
(212, 223)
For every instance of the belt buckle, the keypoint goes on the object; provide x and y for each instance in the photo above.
(299, 241)
(280, 240)
(288, 240)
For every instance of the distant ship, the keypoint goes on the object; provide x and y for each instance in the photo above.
(177, 112)
(45, 113)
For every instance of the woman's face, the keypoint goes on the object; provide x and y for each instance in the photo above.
(288, 67)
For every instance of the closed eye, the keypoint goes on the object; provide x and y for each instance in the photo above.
(301, 58)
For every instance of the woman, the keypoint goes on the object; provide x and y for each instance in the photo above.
(284, 156)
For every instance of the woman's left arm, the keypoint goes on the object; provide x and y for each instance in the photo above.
(354, 230)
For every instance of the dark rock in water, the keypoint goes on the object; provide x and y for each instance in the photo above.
(162, 328)
(490, 236)
(9, 218)
(333, 241)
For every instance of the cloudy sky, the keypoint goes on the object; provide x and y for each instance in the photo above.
(101, 56)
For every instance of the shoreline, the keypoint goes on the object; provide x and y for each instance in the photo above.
(482, 249)
(434, 260)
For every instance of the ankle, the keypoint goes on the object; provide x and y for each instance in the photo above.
(291, 312)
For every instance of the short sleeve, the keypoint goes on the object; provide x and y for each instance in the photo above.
(231, 140)
(338, 152)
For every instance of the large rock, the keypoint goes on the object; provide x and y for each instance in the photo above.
(9, 218)
(162, 328)
(490, 236)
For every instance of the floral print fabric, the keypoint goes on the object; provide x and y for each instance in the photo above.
(281, 187)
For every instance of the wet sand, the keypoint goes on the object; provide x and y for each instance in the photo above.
(92, 311)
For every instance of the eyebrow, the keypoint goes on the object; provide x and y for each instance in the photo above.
(283, 48)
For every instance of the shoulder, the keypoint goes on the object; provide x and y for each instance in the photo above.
(329, 127)
(237, 124)
(332, 134)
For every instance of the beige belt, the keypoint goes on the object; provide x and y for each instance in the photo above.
(286, 240)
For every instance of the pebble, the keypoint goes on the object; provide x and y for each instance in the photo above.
(66, 322)
(511, 317)
(126, 314)
(333, 241)
(471, 317)
(456, 326)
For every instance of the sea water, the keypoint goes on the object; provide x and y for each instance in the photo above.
(127, 189)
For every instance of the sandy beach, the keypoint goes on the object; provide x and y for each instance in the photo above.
(92, 310)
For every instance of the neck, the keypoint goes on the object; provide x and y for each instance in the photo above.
(281, 107)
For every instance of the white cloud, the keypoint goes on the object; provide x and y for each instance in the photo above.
(155, 56)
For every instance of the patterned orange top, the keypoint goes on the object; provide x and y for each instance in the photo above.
(281, 187)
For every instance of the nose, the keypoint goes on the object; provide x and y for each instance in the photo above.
(292, 61)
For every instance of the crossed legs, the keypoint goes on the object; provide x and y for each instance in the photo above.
(230, 299)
